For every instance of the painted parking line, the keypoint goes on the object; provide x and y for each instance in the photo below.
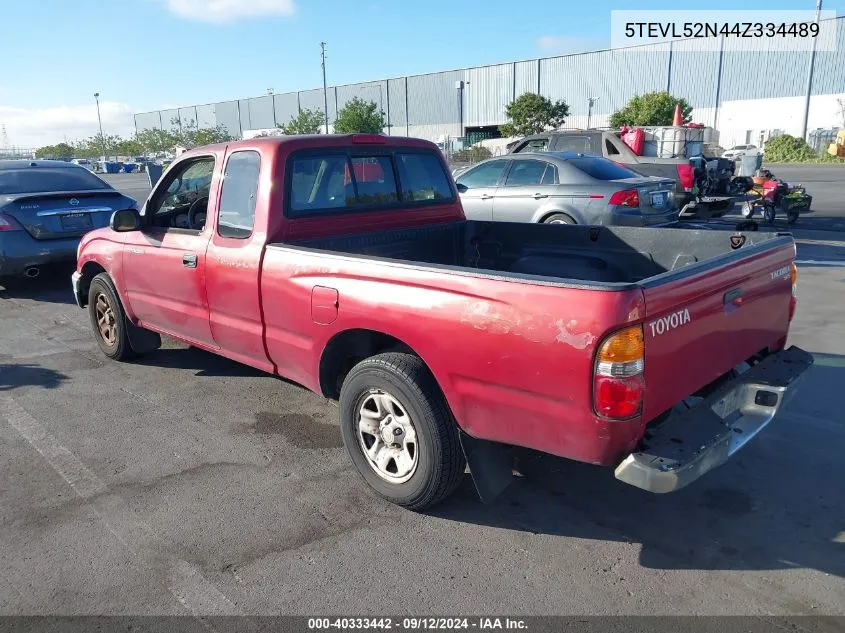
(190, 588)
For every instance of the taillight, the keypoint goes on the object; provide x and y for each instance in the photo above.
(793, 277)
(686, 176)
(9, 224)
(626, 198)
(618, 383)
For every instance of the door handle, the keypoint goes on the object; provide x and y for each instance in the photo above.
(189, 260)
(486, 196)
(538, 196)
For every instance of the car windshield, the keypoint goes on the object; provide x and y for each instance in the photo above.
(601, 168)
(40, 179)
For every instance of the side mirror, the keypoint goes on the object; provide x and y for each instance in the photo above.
(462, 188)
(125, 220)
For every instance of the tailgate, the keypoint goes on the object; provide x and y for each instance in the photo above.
(704, 320)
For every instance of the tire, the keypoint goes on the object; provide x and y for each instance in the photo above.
(413, 399)
(792, 216)
(558, 218)
(747, 209)
(769, 213)
(103, 303)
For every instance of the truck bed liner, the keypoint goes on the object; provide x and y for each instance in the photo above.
(604, 257)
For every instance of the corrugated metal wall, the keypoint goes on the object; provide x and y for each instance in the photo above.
(488, 91)
(434, 106)
(694, 73)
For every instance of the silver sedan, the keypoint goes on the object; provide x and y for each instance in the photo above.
(564, 188)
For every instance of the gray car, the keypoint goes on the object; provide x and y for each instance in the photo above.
(45, 207)
(564, 188)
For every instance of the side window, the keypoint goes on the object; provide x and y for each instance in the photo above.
(183, 201)
(610, 147)
(526, 172)
(534, 145)
(550, 175)
(237, 201)
(485, 175)
(422, 177)
(574, 143)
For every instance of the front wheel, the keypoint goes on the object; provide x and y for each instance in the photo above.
(399, 432)
(108, 319)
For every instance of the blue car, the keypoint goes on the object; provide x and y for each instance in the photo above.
(45, 207)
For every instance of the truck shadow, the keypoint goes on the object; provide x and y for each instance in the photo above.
(205, 363)
(777, 504)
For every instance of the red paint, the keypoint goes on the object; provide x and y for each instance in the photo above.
(515, 360)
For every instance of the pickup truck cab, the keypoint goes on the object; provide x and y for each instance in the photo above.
(345, 263)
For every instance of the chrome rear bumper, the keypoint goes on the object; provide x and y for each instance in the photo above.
(686, 446)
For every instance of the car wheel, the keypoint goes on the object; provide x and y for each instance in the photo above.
(399, 432)
(558, 218)
(108, 319)
(747, 209)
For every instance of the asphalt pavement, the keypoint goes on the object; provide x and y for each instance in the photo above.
(184, 483)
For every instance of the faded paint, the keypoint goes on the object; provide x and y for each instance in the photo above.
(566, 336)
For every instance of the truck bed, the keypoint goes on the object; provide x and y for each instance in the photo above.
(600, 257)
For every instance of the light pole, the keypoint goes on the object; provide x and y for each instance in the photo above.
(100, 120)
(325, 90)
(810, 76)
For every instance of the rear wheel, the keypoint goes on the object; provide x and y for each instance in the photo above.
(108, 319)
(399, 431)
(769, 213)
(558, 218)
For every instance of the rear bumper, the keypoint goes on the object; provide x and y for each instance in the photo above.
(636, 218)
(19, 250)
(687, 445)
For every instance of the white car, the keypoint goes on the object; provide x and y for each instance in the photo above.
(83, 162)
(738, 151)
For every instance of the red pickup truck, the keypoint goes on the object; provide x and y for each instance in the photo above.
(345, 263)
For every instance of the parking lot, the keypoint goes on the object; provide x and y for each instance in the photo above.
(184, 483)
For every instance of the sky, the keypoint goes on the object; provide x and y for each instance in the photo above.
(143, 55)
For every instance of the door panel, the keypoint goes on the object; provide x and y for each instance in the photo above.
(234, 258)
(478, 188)
(164, 274)
(529, 186)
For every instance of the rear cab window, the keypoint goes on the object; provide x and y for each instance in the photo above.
(338, 180)
(601, 168)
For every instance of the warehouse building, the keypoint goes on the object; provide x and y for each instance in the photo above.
(748, 95)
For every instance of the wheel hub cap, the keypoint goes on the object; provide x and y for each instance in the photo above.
(387, 437)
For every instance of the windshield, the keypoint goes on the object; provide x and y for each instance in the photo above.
(42, 179)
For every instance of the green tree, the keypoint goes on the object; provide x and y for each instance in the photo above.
(155, 140)
(788, 149)
(60, 151)
(129, 147)
(359, 116)
(308, 121)
(652, 108)
(189, 135)
(532, 113)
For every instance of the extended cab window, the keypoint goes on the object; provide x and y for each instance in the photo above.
(574, 143)
(183, 203)
(337, 181)
(237, 202)
(534, 145)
